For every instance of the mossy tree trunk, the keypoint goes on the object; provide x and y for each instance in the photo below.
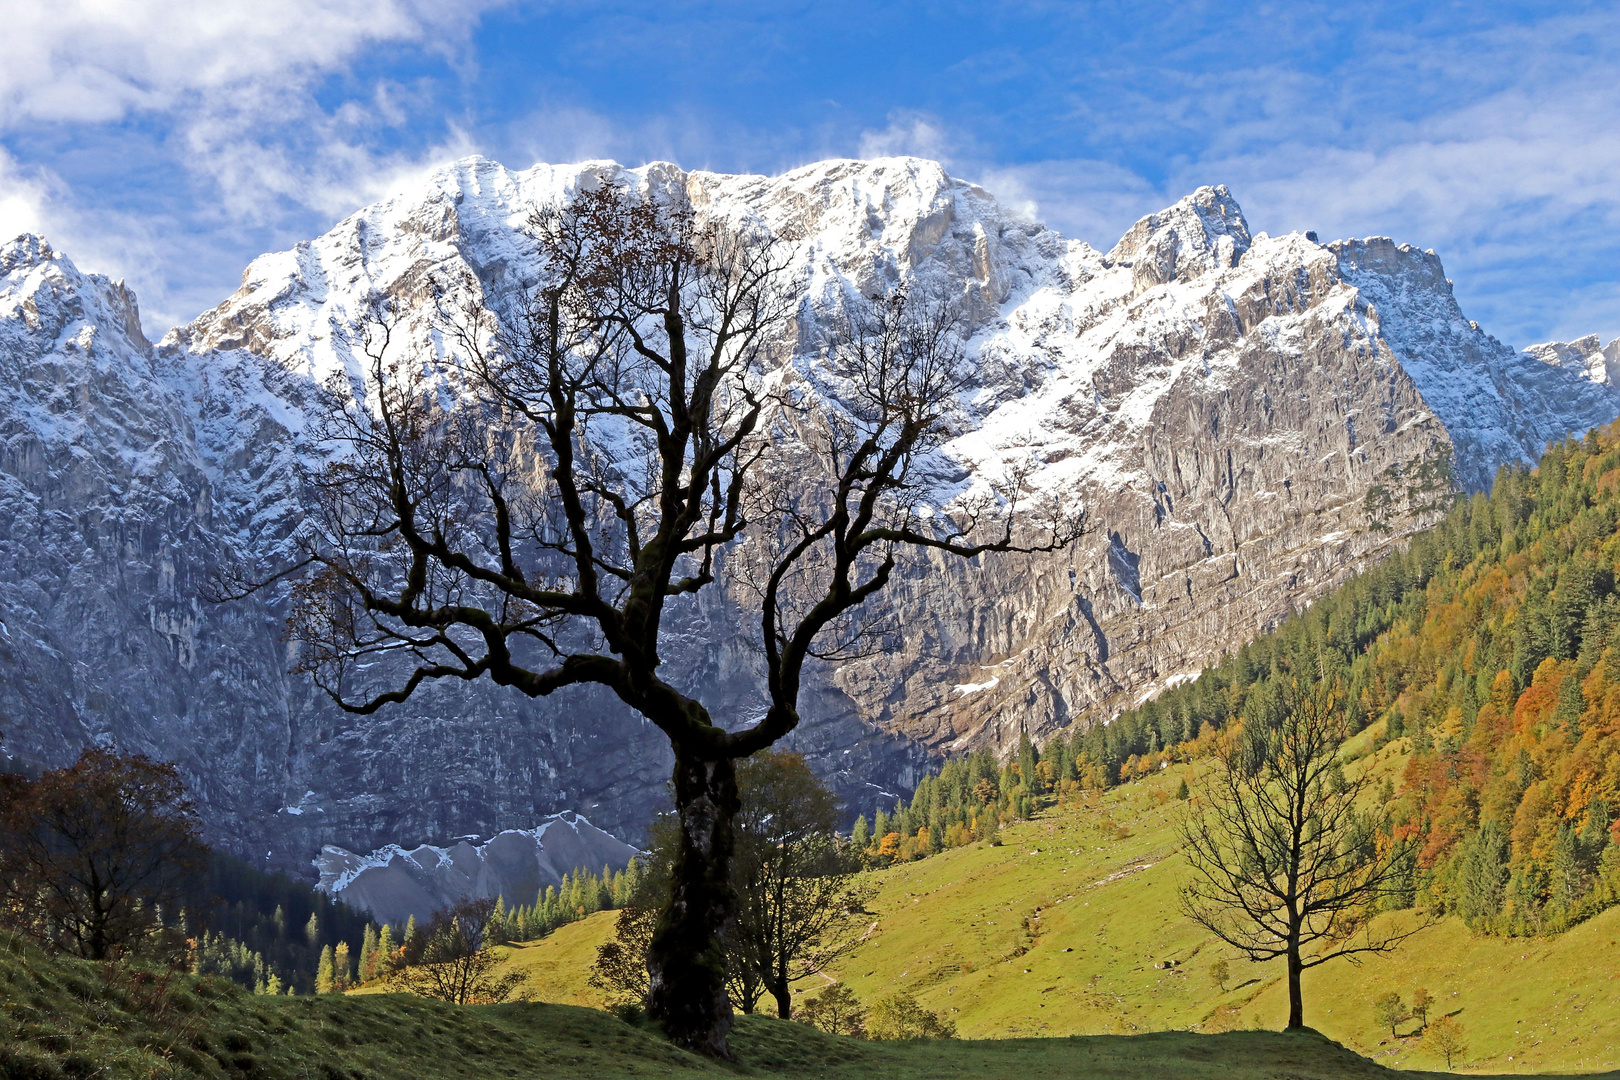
(686, 962)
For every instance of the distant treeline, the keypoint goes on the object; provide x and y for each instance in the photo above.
(581, 893)
(359, 951)
(248, 925)
(1492, 643)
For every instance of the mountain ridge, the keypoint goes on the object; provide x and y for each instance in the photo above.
(1247, 419)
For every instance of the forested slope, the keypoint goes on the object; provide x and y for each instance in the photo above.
(1492, 643)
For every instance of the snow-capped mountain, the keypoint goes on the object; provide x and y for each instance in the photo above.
(1247, 419)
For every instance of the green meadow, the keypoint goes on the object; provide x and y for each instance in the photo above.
(1071, 927)
(1060, 952)
(62, 1018)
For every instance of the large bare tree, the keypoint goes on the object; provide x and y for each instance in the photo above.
(1286, 856)
(524, 501)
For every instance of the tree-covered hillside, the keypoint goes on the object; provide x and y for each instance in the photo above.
(1492, 643)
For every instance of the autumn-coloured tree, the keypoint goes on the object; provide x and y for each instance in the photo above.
(89, 854)
(451, 960)
(1421, 1000)
(529, 504)
(1445, 1038)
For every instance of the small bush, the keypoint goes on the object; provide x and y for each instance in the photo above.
(836, 1010)
(901, 1016)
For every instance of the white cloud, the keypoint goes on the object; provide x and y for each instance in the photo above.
(23, 195)
(1512, 180)
(326, 162)
(228, 88)
(1515, 191)
(98, 60)
(1094, 201)
(235, 80)
(908, 134)
(34, 200)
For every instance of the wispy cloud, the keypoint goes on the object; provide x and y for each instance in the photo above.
(909, 134)
(230, 94)
(88, 61)
(24, 194)
(1497, 147)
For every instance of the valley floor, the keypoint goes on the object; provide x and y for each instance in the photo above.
(1071, 927)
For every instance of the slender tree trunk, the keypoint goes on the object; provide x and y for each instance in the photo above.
(1296, 1002)
(686, 963)
(784, 998)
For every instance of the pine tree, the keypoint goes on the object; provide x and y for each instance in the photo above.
(312, 931)
(323, 973)
(1566, 872)
(1027, 760)
(368, 951)
(1567, 713)
(340, 967)
(627, 883)
(1482, 875)
(861, 838)
(499, 929)
(383, 958)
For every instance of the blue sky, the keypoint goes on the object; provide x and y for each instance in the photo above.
(170, 142)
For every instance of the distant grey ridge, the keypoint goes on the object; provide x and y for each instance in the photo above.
(394, 884)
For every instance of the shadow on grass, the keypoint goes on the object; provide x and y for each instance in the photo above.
(789, 1049)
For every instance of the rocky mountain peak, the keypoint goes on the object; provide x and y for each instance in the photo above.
(1202, 232)
(48, 292)
(1584, 357)
(23, 253)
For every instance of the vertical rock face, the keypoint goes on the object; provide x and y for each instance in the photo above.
(1247, 420)
(107, 531)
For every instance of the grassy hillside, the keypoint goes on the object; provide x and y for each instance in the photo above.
(1492, 644)
(67, 1018)
(1058, 932)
